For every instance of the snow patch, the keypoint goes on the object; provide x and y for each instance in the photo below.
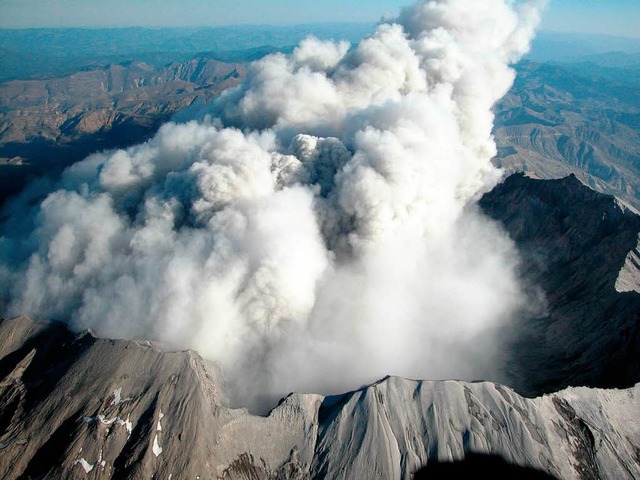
(117, 397)
(128, 425)
(159, 426)
(101, 461)
(629, 276)
(111, 421)
(84, 464)
(157, 449)
(117, 394)
(106, 421)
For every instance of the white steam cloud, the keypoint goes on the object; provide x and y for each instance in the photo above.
(316, 230)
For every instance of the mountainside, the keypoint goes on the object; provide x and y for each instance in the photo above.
(81, 407)
(75, 406)
(89, 101)
(578, 246)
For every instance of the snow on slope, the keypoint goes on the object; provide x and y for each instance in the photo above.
(629, 276)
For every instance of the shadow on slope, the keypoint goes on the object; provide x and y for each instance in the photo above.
(573, 242)
(43, 157)
(479, 466)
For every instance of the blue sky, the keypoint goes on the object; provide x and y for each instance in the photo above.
(615, 17)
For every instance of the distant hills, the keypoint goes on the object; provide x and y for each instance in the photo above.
(48, 124)
(578, 47)
(46, 52)
(573, 118)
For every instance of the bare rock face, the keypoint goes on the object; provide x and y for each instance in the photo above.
(629, 277)
(74, 406)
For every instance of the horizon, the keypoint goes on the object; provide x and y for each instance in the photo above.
(541, 32)
(617, 18)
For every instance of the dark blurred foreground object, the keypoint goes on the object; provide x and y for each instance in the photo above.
(480, 465)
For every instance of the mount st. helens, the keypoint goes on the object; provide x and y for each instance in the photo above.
(73, 405)
(316, 230)
(308, 220)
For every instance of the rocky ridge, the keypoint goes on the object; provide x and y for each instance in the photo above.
(124, 409)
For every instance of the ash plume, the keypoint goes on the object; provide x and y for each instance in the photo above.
(315, 230)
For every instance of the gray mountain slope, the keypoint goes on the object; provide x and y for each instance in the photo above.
(74, 406)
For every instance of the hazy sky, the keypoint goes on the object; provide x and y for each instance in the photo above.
(616, 17)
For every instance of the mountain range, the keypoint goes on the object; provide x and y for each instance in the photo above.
(579, 117)
(556, 120)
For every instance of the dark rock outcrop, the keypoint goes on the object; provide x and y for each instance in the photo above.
(574, 244)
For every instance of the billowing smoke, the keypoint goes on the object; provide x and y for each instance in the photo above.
(316, 230)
